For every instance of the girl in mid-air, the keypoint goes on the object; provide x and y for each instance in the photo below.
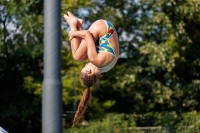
(99, 44)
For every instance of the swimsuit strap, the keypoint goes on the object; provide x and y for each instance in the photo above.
(110, 30)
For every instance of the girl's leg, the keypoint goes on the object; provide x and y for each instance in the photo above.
(79, 52)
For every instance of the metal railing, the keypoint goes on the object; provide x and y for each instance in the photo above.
(158, 129)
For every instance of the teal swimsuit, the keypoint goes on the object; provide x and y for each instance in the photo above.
(104, 44)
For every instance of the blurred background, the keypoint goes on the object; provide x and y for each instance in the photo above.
(155, 86)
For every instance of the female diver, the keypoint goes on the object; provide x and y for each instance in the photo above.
(99, 44)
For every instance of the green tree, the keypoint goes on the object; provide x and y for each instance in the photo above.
(21, 54)
(159, 66)
(158, 70)
(163, 60)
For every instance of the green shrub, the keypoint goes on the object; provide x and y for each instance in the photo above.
(112, 123)
(190, 123)
(170, 122)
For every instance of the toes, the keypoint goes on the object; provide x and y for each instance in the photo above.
(65, 16)
(70, 14)
(71, 19)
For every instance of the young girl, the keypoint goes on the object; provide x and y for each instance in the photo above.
(102, 57)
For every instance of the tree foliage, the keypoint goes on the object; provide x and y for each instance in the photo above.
(21, 53)
(158, 69)
(162, 56)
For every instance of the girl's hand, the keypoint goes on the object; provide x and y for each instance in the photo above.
(84, 34)
(70, 35)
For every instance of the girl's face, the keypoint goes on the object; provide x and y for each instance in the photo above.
(90, 69)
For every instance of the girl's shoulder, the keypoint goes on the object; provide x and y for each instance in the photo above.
(98, 28)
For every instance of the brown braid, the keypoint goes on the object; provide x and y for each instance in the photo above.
(87, 81)
(82, 106)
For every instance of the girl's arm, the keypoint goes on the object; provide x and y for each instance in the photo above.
(79, 48)
(91, 48)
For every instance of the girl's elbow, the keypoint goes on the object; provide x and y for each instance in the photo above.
(93, 60)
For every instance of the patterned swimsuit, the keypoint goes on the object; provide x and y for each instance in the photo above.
(105, 46)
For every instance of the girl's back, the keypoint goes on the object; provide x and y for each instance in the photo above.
(108, 48)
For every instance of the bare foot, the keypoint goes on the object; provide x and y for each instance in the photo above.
(80, 21)
(71, 20)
